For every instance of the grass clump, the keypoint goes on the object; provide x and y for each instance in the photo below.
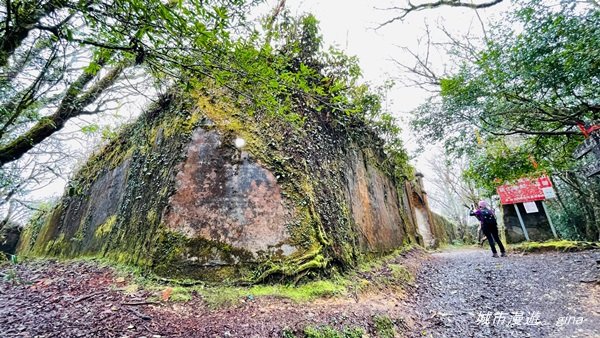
(287, 333)
(330, 332)
(180, 294)
(384, 327)
(401, 273)
(216, 297)
(4, 259)
(302, 293)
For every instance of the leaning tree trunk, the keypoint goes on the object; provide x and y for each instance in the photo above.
(594, 196)
(76, 99)
(574, 183)
(561, 202)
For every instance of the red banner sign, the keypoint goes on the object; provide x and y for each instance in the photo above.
(526, 190)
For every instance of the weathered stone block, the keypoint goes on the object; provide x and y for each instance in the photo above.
(174, 194)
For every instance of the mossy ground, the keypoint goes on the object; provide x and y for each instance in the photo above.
(373, 274)
(554, 245)
(131, 282)
(217, 296)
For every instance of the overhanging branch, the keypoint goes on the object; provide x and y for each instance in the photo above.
(404, 11)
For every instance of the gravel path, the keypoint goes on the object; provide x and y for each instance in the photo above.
(467, 293)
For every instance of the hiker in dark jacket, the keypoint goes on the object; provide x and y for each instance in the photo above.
(489, 226)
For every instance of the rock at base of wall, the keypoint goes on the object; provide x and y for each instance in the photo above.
(9, 238)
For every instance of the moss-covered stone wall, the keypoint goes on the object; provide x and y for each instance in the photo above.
(444, 230)
(112, 206)
(174, 194)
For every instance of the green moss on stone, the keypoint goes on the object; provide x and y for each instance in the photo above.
(178, 256)
(307, 159)
(555, 245)
(56, 247)
(105, 228)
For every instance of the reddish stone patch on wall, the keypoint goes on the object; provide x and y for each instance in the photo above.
(374, 205)
(223, 195)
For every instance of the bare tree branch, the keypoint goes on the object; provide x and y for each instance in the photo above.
(402, 12)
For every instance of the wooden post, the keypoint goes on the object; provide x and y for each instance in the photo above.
(521, 221)
(549, 220)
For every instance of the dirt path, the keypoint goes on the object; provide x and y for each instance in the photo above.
(453, 293)
(467, 293)
(48, 298)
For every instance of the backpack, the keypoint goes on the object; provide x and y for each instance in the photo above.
(487, 218)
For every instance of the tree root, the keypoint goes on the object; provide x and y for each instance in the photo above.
(296, 267)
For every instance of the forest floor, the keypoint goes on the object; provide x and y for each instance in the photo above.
(456, 293)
